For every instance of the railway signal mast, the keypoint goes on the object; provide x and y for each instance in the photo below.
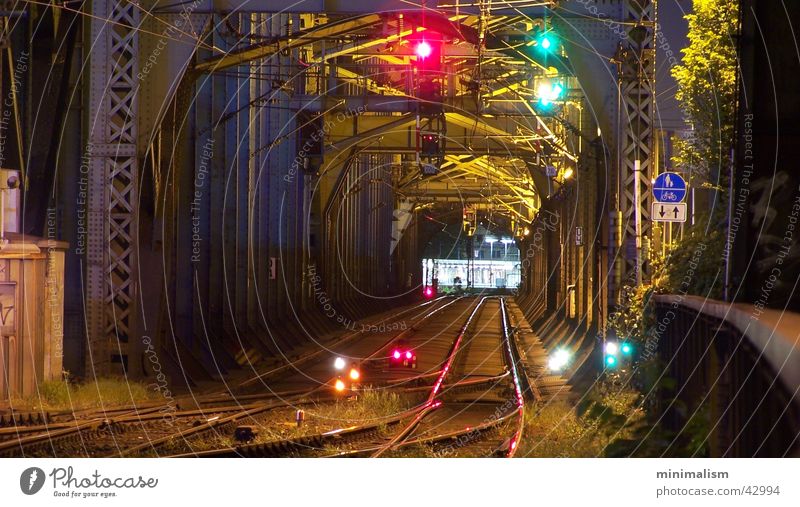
(430, 122)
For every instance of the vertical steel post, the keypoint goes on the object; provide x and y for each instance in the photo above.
(111, 301)
(637, 116)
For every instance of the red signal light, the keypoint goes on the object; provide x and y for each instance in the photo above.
(408, 355)
(428, 292)
(396, 354)
(423, 50)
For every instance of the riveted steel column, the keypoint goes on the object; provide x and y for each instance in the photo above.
(111, 300)
(637, 117)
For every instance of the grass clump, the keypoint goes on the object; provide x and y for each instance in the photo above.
(58, 395)
(560, 430)
(369, 406)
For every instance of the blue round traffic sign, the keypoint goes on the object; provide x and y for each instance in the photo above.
(669, 187)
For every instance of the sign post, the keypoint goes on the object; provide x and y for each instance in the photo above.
(669, 187)
(668, 212)
(669, 191)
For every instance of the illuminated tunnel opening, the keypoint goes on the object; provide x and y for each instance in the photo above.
(489, 259)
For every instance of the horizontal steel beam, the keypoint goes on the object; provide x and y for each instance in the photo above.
(531, 9)
(396, 135)
(451, 150)
(476, 133)
(405, 104)
(367, 128)
(460, 191)
(263, 50)
(431, 19)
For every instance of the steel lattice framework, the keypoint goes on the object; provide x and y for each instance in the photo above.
(498, 163)
(111, 263)
(636, 136)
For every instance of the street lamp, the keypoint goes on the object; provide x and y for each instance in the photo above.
(12, 183)
(491, 242)
(505, 242)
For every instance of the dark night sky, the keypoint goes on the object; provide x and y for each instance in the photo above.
(674, 26)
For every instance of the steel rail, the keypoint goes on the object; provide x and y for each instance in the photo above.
(341, 341)
(296, 400)
(281, 447)
(431, 404)
(512, 357)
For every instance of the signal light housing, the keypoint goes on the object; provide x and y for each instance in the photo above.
(403, 356)
(430, 144)
(610, 351)
(427, 52)
(339, 363)
(547, 42)
(549, 92)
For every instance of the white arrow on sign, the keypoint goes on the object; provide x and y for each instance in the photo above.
(668, 212)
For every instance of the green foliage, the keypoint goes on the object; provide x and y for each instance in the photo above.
(694, 264)
(650, 435)
(632, 319)
(706, 92)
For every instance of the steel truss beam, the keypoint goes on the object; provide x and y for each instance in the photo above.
(475, 126)
(263, 50)
(111, 285)
(449, 25)
(637, 116)
(391, 134)
(401, 103)
(351, 7)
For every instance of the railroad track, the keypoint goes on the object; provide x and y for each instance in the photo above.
(228, 423)
(493, 430)
(142, 432)
(225, 425)
(295, 364)
(97, 437)
(131, 430)
(454, 428)
(366, 434)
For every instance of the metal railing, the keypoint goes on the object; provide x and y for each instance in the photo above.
(738, 364)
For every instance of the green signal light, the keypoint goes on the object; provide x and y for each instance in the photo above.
(545, 43)
(626, 348)
(611, 361)
(549, 92)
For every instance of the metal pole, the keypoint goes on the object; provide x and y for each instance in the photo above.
(725, 288)
(637, 198)
(2, 217)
